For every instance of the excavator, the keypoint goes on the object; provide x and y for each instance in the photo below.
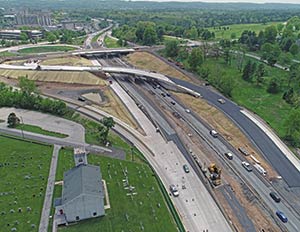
(215, 174)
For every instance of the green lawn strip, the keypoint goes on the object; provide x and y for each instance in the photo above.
(110, 42)
(24, 173)
(39, 130)
(271, 107)
(116, 141)
(43, 49)
(169, 38)
(7, 54)
(95, 38)
(147, 209)
(237, 29)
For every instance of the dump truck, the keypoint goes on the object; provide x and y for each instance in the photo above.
(215, 174)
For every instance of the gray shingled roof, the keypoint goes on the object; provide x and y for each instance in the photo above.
(83, 179)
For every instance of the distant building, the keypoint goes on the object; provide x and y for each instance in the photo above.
(31, 19)
(83, 193)
(16, 34)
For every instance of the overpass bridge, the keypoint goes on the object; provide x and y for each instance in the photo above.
(138, 73)
(103, 52)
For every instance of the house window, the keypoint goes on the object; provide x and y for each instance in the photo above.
(77, 218)
(95, 214)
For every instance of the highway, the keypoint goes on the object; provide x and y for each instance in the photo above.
(88, 44)
(264, 144)
(260, 187)
(252, 178)
(167, 161)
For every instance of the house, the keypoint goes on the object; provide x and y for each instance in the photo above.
(83, 193)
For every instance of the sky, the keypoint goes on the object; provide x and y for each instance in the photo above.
(252, 1)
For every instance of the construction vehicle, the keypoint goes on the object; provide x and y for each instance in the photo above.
(215, 174)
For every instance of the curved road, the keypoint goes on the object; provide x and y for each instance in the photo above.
(268, 148)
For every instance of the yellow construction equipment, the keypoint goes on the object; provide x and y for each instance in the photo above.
(215, 174)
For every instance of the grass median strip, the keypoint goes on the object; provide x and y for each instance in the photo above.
(39, 130)
(43, 49)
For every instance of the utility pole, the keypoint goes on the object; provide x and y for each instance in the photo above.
(22, 124)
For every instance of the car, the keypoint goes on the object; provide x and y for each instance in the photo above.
(229, 155)
(173, 103)
(174, 190)
(186, 168)
(214, 133)
(247, 166)
(188, 110)
(163, 94)
(282, 217)
(275, 197)
(81, 99)
(221, 100)
(168, 95)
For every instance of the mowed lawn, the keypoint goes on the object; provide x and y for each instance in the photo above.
(24, 169)
(237, 29)
(145, 211)
(39, 130)
(271, 107)
(110, 42)
(42, 49)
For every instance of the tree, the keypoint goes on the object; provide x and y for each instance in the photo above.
(12, 120)
(288, 96)
(108, 122)
(51, 37)
(273, 86)
(160, 31)
(294, 49)
(171, 48)
(23, 36)
(270, 34)
(227, 85)
(248, 71)
(195, 59)
(292, 124)
(149, 36)
(260, 72)
(27, 86)
(227, 56)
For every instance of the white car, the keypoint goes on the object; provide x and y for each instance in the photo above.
(214, 133)
(221, 100)
(174, 190)
(188, 110)
(247, 166)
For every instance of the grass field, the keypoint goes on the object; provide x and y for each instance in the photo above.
(39, 130)
(7, 54)
(55, 76)
(271, 107)
(147, 209)
(237, 29)
(24, 168)
(43, 49)
(68, 61)
(170, 38)
(110, 42)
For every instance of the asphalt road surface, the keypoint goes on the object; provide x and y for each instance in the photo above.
(270, 151)
(252, 178)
